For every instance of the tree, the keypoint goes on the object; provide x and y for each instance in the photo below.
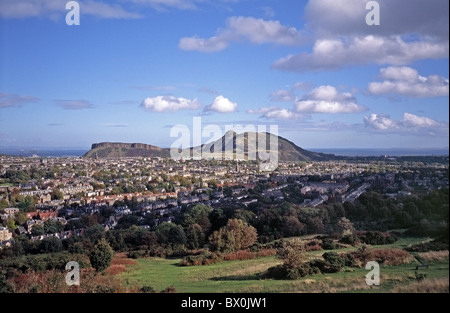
(292, 226)
(245, 215)
(170, 234)
(51, 244)
(20, 218)
(51, 227)
(199, 215)
(101, 255)
(195, 236)
(57, 194)
(236, 235)
(37, 230)
(345, 225)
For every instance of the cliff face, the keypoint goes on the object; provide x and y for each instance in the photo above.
(124, 145)
(120, 150)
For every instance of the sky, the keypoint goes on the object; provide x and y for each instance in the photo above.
(133, 69)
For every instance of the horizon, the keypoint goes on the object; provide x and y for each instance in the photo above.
(133, 70)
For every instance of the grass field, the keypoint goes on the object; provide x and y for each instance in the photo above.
(245, 276)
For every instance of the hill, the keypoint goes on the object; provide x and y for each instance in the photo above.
(120, 150)
(244, 146)
(248, 145)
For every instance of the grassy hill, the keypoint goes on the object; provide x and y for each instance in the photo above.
(248, 145)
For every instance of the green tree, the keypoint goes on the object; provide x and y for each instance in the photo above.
(4, 204)
(51, 244)
(195, 236)
(170, 234)
(20, 218)
(37, 230)
(101, 255)
(199, 214)
(236, 235)
(57, 194)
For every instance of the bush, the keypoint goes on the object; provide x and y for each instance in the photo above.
(428, 246)
(378, 238)
(349, 239)
(276, 272)
(333, 262)
(147, 289)
(360, 257)
(328, 244)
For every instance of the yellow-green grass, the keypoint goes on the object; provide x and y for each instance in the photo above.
(244, 276)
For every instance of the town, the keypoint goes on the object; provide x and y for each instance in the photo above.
(34, 190)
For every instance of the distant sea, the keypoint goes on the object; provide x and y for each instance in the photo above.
(386, 152)
(77, 152)
(43, 152)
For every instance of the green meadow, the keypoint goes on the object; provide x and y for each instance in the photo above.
(247, 276)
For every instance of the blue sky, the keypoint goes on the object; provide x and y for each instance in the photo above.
(133, 69)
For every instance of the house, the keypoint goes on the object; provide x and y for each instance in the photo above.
(5, 234)
(20, 230)
(11, 211)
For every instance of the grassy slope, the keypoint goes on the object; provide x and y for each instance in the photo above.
(243, 276)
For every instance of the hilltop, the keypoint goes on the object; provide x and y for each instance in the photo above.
(120, 149)
(287, 150)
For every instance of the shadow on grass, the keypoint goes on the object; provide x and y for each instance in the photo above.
(236, 278)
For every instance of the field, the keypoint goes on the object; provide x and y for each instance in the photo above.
(245, 276)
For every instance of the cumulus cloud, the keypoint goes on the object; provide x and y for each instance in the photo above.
(164, 5)
(409, 124)
(253, 30)
(332, 54)
(169, 104)
(8, 100)
(326, 99)
(409, 30)
(222, 105)
(334, 18)
(74, 104)
(57, 8)
(282, 95)
(275, 113)
(406, 81)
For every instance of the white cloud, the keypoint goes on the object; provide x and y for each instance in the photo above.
(282, 95)
(57, 8)
(409, 30)
(275, 113)
(163, 5)
(335, 18)
(169, 104)
(326, 99)
(409, 124)
(406, 81)
(331, 54)
(8, 100)
(222, 105)
(74, 104)
(257, 31)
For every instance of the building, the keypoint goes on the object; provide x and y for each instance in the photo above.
(5, 234)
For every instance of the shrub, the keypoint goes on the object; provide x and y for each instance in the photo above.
(434, 256)
(377, 238)
(276, 272)
(391, 256)
(328, 244)
(428, 246)
(147, 289)
(333, 262)
(383, 256)
(350, 239)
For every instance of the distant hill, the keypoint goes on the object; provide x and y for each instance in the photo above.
(242, 148)
(120, 150)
